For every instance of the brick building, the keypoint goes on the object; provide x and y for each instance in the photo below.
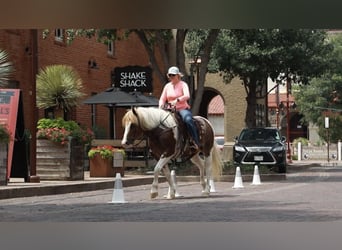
(23, 45)
(92, 60)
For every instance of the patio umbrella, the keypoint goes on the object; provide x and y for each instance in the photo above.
(110, 96)
(140, 100)
(116, 98)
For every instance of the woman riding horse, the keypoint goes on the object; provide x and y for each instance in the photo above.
(160, 126)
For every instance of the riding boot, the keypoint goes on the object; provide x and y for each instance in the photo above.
(193, 146)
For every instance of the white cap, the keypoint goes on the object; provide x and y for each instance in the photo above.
(174, 71)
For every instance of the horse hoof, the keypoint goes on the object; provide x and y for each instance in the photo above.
(204, 193)
(154, 195)
(171, 197)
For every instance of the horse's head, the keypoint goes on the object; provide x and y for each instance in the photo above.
(132, 130)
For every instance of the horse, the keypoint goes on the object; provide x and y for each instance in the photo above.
(163, 129)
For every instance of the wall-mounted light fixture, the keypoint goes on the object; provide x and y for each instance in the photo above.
(92, 64)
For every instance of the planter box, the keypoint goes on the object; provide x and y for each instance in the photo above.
(60, 162)
(99, 167)
(3, 164)
(107, 167)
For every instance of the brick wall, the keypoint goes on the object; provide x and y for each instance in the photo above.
(18, 43)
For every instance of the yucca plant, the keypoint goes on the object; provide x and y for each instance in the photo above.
(58, 87)
(6, 68)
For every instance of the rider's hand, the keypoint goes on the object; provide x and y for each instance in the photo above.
(173, 103)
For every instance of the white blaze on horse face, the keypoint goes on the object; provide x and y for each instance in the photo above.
(127, 128)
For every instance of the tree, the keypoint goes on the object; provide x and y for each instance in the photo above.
(6, 68)
(254, 55)
(58, 87)
(323, 98)
(157, 41)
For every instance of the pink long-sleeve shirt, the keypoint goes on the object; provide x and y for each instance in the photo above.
(172, 91)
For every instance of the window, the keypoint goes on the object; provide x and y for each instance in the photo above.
(59, 35)
(110, 48)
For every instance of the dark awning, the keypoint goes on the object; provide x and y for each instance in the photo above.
(110, 96)
(140, 100)
(122, 99)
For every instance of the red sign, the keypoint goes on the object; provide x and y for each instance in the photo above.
(9, 102)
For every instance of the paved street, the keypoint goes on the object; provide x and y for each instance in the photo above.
(313, 194)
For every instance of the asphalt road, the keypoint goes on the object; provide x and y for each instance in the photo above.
(305, 196)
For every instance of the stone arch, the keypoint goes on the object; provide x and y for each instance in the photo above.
(234, 99)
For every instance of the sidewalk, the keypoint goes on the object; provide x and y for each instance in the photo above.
(17, 187)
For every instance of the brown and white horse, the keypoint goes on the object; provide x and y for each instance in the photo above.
(162, 130)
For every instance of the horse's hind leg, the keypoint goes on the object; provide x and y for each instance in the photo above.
(201, 166)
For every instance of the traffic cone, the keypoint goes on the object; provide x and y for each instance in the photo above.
(118, 194)
(173, 177)
(238, 183)
(212, 186)
(256, 176)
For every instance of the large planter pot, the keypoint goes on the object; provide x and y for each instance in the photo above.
(3, 164)
(99, 167)
(60, 162)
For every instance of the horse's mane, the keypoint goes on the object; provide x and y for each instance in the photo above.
(149, 118)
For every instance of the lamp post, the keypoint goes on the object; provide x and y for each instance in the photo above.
(289, 160)
(193, 84)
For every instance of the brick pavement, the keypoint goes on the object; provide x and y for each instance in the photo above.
(18, 188)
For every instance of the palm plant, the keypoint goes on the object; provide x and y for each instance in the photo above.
(58, 87)
(6, 68)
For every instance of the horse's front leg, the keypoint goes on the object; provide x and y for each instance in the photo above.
(161, 163)
(172, 185)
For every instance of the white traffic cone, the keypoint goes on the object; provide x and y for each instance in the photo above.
(256, 176)
(238, 183)
(173, 177)
(212, 186)
(118, 194)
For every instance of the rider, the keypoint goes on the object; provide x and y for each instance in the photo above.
(176, 93)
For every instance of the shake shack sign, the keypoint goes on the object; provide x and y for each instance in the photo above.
(133, 78)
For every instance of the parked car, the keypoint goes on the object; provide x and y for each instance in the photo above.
(263, 146)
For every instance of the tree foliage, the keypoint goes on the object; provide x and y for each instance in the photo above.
(293, 55)
(323, 98)
(6, 68)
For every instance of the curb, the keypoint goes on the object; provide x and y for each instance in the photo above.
(17, 192)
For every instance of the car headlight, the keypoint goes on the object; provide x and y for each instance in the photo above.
(240, 149)
(278, 149)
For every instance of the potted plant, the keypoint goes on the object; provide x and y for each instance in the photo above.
(59, 88)
(5, 134)
(61, 149)
(106, 161)
(61, 131)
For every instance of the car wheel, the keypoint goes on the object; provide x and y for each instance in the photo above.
(282, 168)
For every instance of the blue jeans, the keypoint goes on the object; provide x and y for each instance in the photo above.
(187, 119)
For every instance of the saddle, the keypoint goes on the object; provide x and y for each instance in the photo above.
(185, 140)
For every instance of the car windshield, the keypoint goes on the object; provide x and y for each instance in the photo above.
(259, 134)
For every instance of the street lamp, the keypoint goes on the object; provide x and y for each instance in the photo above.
(193, 84)
(287, 104)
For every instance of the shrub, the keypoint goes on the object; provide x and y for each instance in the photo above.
(59, 130)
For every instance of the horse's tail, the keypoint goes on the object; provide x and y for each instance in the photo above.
(217, 164)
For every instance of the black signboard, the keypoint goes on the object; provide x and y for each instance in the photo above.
(132, 78)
